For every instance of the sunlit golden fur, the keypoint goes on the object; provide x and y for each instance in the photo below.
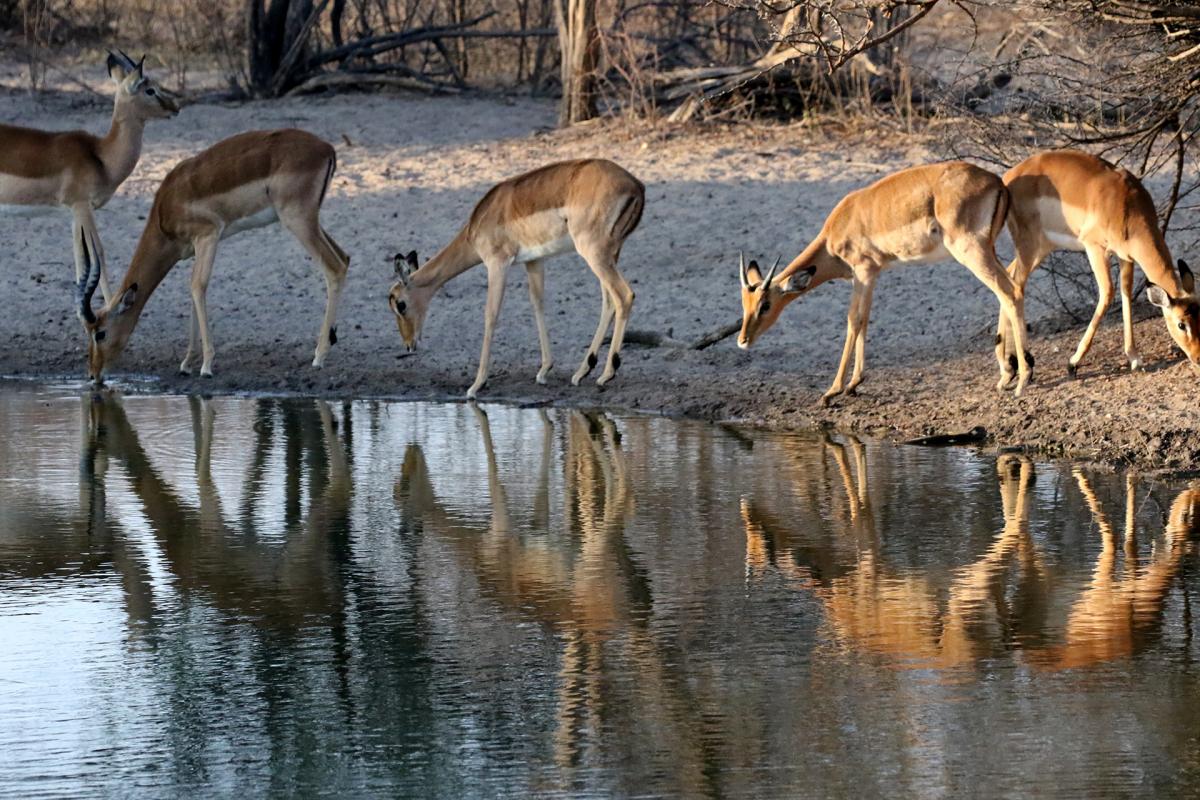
(589, 206)
(245, 181)
(921, 214)
(79, 170)
(1067, 199)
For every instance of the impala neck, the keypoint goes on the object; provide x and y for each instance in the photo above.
(154, 257)
(1149, 250)
(121, 148)
(828, 266)
(453, 260)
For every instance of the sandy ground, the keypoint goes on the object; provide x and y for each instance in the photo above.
(410, 169)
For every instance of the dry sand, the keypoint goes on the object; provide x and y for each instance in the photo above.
(410, 169)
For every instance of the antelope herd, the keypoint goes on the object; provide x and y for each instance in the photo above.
(1054, 200)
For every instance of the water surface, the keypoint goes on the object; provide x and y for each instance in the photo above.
(210, 596)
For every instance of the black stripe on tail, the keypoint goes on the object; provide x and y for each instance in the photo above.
(1003, 205)
(629, 218)
(328, 178)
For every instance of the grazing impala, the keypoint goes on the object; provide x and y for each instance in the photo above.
(246, 181)
(921, 214)
(77, 170)
(1069, 200)
(590, 206)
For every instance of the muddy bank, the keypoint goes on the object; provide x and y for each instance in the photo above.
(411, 168)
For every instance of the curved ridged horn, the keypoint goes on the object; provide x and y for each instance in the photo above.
(88, 283)
(127, 61)
(771, 274)
(742, 270)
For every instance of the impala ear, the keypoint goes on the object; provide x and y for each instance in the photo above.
(1157, 296)
(117, 69)
(1185, 276)
(405, 265)
(753, 273)
(799, 282)
(128, 298)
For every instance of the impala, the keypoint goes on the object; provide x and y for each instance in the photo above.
(246, 181)
(1070, 200)
(77, 170)
(921, 214)
(589, 205)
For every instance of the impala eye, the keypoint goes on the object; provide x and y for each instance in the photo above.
(151, 92)
(765, 307)
(1183, 326)
(100, 336)
(401, 306)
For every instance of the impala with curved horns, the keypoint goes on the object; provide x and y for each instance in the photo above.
(590, 206)
(79, 171)
(917, 215)
(1071, 200)
(246, 181)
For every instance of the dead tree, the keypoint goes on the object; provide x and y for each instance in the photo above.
(579, 43)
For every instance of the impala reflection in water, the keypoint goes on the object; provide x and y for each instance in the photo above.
(199, 595)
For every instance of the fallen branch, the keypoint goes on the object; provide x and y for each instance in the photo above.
(656, 339)
(331, 80)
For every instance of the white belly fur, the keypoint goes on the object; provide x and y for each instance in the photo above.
(553, 247)
(1063, 241)
(259, 219)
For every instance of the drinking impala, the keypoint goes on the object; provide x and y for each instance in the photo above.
(917, 215)
(246, 181)
(589, 206)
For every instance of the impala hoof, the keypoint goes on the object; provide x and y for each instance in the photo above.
(1072, 369)
(1135, 363)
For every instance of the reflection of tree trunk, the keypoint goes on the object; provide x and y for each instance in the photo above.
(579, 42)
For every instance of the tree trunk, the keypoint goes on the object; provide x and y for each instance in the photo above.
(579, 42)
(272, 28)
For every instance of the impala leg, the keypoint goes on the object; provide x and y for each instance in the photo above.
(537, 291)
(603, 261)
(497, 271)
(839, 380)
(87, 246)
(1098, 258)
(185, 367)
(860, 343)
(206, 252)
(1126, 277)
(306, 227)
(589, 358)
(1031, 250)
(980, 257)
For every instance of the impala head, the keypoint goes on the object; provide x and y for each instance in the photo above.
(107, 330)
(410, 312)
(1181, 313)
(763, 298)
(144, 97)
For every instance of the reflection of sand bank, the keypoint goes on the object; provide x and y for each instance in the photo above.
(902, 615)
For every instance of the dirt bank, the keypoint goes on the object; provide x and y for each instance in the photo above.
(409, 171)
